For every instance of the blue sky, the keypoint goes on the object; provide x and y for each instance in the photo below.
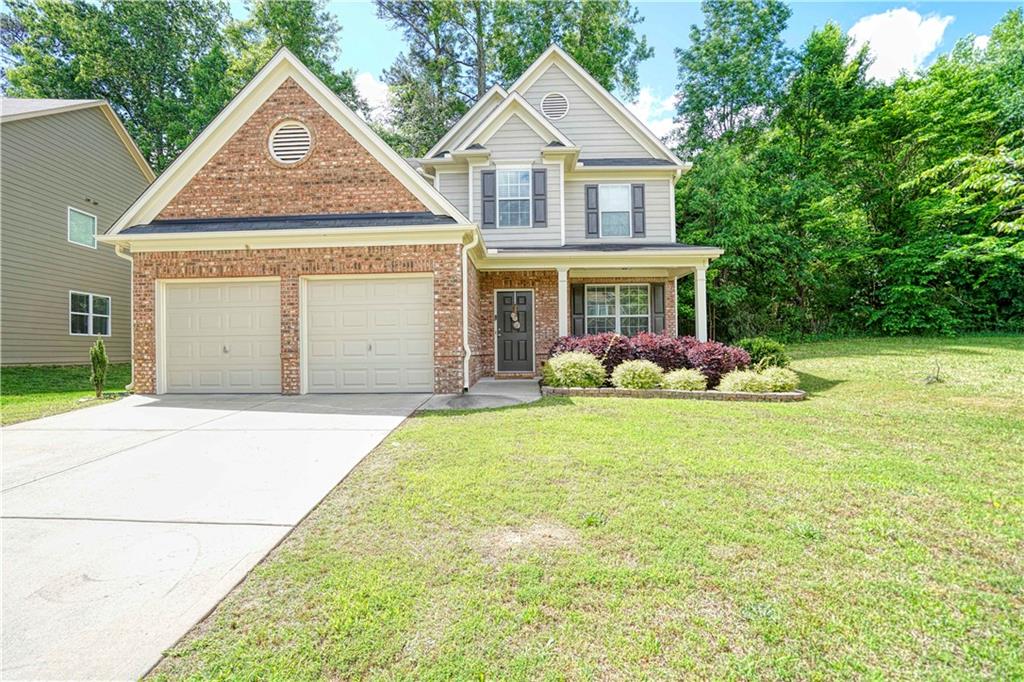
(903, 35)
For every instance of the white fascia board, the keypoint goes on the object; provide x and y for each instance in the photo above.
(495, 91)
(613, 106)
(495, 259)
(515, 105)
(397, 235)
(282, 66)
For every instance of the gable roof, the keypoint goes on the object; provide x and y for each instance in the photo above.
(18, 109)
(623, 116)
(495, 93)
(515, 105)
(282, 66)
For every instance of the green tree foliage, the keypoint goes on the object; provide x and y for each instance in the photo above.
(139, 56)
(165, 67)
(860, 206)
(732, 75)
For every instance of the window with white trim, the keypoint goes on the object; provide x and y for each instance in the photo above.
(89, 314)
(81, 228)
(615, 216)
(622, 308)
(514, 198)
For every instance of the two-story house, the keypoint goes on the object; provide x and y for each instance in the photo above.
(289, 249)
(67, 171)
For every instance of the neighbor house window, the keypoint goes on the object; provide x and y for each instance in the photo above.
(513, 198)
(622, 308)
(90, 314)
(81, 228)
(614, 203)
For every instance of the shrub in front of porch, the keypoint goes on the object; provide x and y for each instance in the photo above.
(574, 369)
(667, 352)
(638, 374)
(686, 380)
(769, 380)
(610, 348)
(714, 359)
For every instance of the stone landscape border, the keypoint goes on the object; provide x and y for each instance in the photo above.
(787, 397)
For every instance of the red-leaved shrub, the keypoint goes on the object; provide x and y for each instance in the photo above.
(667, 352)
(610, 348)
(714, 359)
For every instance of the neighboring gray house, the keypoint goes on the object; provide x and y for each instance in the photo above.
(68, 169)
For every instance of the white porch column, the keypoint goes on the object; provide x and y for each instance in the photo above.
(563, 301)
(700, 302)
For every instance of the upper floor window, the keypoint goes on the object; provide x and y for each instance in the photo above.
(614, 203)
(81, 228)
(89, 314)
(514, 198)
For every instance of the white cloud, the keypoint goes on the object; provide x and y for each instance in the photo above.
(900, 40)
(981, 42)
(656, 113)
(375, 92)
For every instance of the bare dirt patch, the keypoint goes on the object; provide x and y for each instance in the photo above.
(540, 536)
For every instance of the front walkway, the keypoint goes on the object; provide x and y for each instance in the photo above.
(124, 524)
(488, 393)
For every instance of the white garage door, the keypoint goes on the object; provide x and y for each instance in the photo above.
(223, 337)
(370, 335)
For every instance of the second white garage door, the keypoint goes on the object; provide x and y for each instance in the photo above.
(370, 335)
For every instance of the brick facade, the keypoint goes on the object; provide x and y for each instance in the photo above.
(443, 261)
(545, 311)
(338, 176)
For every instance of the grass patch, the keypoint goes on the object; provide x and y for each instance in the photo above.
(873, 531)
(33, 392)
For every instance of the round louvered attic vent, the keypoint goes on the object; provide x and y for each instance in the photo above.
(289, 142)
(554, 105)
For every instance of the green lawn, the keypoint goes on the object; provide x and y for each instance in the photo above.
(873, 531)
(33, 392)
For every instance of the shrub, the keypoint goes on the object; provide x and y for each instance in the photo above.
(686, 380)
(574, 369)
(639, 374)
(99, 362)
(781, 379)
(610, 348)
(765, 352)
(667, 352)
(714, 359)
(745, 380)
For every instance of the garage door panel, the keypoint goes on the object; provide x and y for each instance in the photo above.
(370, 335)
(223, 337)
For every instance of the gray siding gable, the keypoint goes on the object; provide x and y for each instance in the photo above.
(587, 123)
(50, 162)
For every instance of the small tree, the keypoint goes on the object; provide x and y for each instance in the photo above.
(98, 359)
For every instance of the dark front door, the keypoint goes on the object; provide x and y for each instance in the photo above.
(515, 331)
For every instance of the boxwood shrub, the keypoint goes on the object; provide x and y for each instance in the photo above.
(686, 380)
(638, 374)
(574, 369)
(765, 352)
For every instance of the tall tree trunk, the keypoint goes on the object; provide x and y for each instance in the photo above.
(481, 60)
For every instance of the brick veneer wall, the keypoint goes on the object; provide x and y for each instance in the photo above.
(338, 175)
(443, 261)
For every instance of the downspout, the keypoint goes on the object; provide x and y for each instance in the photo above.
(467, 351)
(118, 250)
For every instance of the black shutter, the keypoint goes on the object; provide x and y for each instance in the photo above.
(592, 211)
(578, 303)
(639, 223)
(488, 200)
(540, 197)
(657, 307)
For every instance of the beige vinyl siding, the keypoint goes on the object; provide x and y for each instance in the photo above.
(658, 198)
(587, 124)
(49, 163)
(469, 127)
(515, 141)
(454, 185)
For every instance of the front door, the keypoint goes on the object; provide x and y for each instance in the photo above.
(514, 343)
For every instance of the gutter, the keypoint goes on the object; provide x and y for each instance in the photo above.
(467, 351)
(119, 250)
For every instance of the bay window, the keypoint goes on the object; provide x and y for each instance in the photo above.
(622, 308)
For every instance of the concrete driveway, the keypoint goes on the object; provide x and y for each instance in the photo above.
(124, 524)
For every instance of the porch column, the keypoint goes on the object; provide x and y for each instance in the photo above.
(563, 301)
(700, 302)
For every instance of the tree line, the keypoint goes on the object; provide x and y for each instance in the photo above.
(844, 205)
